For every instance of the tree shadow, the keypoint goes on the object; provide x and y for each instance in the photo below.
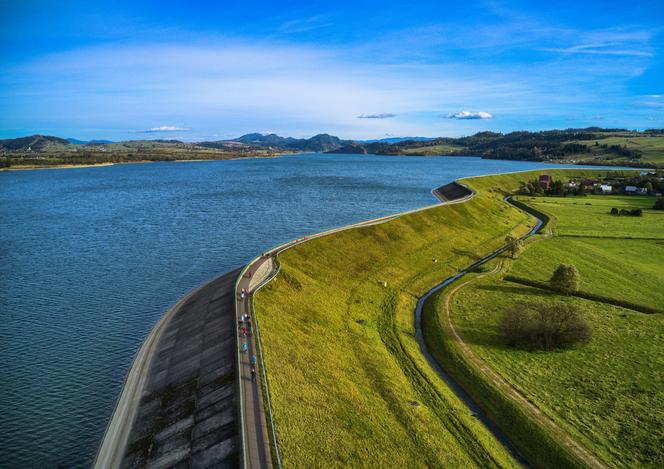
(466, 253)
(515, 289)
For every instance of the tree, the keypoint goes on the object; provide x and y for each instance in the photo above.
(514, 246)
(659, 203)
(581, 190)
(649, 188)
(544, 326)
(565, 279)
(614, 211)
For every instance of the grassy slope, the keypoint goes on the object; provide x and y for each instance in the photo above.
(343, 391)
(652, 148)
(610, 393)
(442, 149)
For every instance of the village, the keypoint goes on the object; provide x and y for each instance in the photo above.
(646, 183)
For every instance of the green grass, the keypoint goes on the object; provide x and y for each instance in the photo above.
(349, 384)
(589, 216)
(442, 149)
(631, 270)
(651, 147)
(609, 394)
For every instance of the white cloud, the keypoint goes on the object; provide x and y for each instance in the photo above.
(163, 128)
(384, 115)
(468, 115)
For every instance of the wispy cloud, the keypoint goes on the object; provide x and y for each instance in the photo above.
(600, 49)
(653, 104)
(384, 115)
(163, 128)
(468, 115)
(306, 24)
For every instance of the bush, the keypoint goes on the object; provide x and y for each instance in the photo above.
(624, 212)
(659, 203)
(565, 279)
(614, 211)
(544, 326)
(636, 212)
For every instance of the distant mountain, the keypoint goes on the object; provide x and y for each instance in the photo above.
(396, 140)
(75, 141)
(317, 143)
(36, 143)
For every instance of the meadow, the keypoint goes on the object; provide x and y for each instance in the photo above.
(349, 384)
(590, 216)
(441, 149)
(651, 147)
(607, 394)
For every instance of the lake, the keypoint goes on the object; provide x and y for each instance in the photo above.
(90, 258)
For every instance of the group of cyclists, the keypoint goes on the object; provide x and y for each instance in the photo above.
(245, 331)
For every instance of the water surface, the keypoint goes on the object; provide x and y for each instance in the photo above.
(90, 258)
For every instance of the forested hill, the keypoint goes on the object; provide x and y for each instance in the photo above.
(589, 145)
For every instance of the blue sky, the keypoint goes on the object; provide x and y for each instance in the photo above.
(215, 70)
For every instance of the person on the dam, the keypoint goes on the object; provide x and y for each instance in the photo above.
(253, 373)
(253, 360)
(245, 347)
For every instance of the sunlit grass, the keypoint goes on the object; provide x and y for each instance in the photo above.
(349, 384)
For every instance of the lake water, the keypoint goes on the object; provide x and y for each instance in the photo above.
(90, 258)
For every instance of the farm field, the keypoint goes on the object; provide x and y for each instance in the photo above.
(589, 215)
(607, 394)
(627, 269)
(442, 149)
(651, 147)
(348, 382)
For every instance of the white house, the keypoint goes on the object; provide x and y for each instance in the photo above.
(630, 189)
(605, 188)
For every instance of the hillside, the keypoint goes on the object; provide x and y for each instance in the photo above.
(592, 145)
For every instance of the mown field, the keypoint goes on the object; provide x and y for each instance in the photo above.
(607, 394)
(628, 269)
(348, 382)
(590, 216)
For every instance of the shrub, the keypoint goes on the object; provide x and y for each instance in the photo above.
(544, 326)
(614, 211)
(636, 212)
(565, 279)
(623, 212)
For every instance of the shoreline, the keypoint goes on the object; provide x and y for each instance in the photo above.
(599, 165)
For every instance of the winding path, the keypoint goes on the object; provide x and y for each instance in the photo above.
(570, 443)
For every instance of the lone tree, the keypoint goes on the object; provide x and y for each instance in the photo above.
(514, 246)
(659, 203)
(544, 326)
(565, 279)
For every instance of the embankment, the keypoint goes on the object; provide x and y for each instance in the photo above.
(178, 402)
